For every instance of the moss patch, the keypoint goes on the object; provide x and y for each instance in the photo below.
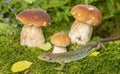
(107, 62)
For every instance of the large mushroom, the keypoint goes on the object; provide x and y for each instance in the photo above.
(80, 32)
(60, 42)
(86, 16)
(32, 34)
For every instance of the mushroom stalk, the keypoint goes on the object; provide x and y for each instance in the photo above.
(32, 36)
(80, 32)
(60, 49)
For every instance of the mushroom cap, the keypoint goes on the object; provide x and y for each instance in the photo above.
(60, 39)
(34, 17)
(87, 13)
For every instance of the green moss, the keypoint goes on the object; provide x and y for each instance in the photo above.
(107, 62)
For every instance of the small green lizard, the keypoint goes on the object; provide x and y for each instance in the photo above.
(63, 58)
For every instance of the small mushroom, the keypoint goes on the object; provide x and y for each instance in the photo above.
(86, 16)
(60, 42)
(31, 34)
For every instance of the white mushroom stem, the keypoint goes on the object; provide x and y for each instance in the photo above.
(32, 36)
(80, 32)
(58, 49)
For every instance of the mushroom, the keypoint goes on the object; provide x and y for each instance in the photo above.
(80, 32)
(31, 34)
(60, 42)
(86, 16)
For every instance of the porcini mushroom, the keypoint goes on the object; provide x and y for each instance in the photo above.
(86, 16)
(31, 34)
(80, 32)
(60, 42)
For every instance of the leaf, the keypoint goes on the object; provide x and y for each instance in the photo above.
(95, 53)
(20, 66)
(57, 3)
(30, 1)
(46, 46)
(110, 6)
(91, 1)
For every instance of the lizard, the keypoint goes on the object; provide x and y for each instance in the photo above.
(82, 52)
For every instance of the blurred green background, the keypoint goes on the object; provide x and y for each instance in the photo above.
(59, 10)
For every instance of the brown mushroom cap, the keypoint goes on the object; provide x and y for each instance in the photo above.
(60, 39)
(87, 13)
(34, 17)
